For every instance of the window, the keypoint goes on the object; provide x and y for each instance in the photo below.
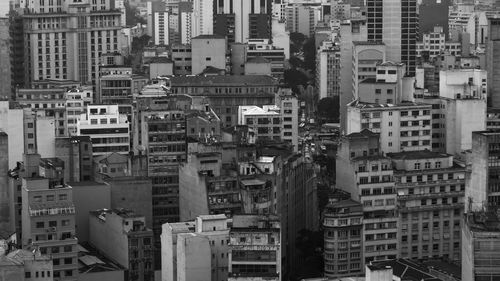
(417, 166)
(63, 196)
(40, 224)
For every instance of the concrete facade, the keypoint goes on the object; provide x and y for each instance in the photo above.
(208, 51)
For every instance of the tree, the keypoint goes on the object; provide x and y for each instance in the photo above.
(132, 15)
(294, 78)
(310, 245)
(328, 109)
(138, 43)
(296, 42)
(296, 62)
(309, 49)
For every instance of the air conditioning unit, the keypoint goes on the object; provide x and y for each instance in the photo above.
(51, 229)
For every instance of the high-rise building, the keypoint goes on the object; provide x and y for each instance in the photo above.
(482, 184)
(202, 18)
(64, 40)
(430, 198)
(255, 248)
(364, 172)
(208, 51)
(366, 55)
(6, 89)
(161, 28)
(328, 70)
(17, 63)
(433, 13)
(480, 246)
(242, 20)
(493, 62)
(302, 18)
(395, 22)
(343, 229)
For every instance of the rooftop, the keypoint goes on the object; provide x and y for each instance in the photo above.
(258, 59)
(160, 60)
(420, 154)
(364, 133)
(251, 182)
(405, 270)
(124, 213)
(223, 80)
(364, 105)
(91, 261)
(211, 36)
(483, 221)
(183, 226)
(213, 217)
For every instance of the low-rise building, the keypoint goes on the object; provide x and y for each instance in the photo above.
(123, 236)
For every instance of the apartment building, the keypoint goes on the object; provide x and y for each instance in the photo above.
(402, 127)
(254, 248)
(77, 101)
(48, 222)
(430, 189)
(343, 225)
(122, 236)
(434, 43)
(364, 172)
(328, 69)
(366, 55)
(264, 48)
(182, 58)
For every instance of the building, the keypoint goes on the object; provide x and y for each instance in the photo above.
(68, 46)
(17, 62)
(402, 127)
(202, 18)
(107, 129)
(434, 13)
(265, 121)
(123, 236)
(434, 43)
(364, 172)
(302, 18)
(160, 66)
(430, 190)
(195, 250)
(343, 229)
(492, 62)
(208, 51)
(480, 241)
(254, 248)
(240, 21)
(6, 90)
(264, 48)
(182, 58)
(328, 70)
(390, 85)
(36, 265)
(76, 102)
(289, 110)
(226, 93)
(467, 83)
(366, 55)
(161, 28)
(397, 27)
(48, 221)
(76, 153)
(481, 186)
(118, 85)
(5, 204)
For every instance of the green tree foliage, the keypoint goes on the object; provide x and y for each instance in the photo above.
(294, 78)
(138, 43)
(328, 109)
(296, 42)
(132, 15)
(310, 245)
(309, 49)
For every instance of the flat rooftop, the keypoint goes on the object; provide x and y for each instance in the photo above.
(223, 80)
(420, 154)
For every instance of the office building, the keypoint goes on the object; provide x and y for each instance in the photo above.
(430, 190)
(364, 172)
(76, 102)
(17, 62)
(202, 19)
(397, 27)
(118, 85)
(122, 236)
(343, 224)
(196, 250)
(62, 44)
(208, 51)
(402, 127)
(434, 43)
(76, 153)
(480, 242)
(182, 58)
(240, 21)
(328, 70)
(4, 183)
(254, 248)
(263, 48)
(107, 129)
(48, 221)
(161, 28)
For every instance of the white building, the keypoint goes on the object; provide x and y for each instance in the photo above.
(328, 70)
(195, 250)
(202, 18)
(468, 83)
(77, 101)
(161, 30)
(365, 58)
(402, 127)
(107, 128)
(302, 18)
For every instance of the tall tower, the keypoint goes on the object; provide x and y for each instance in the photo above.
(395, 22)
